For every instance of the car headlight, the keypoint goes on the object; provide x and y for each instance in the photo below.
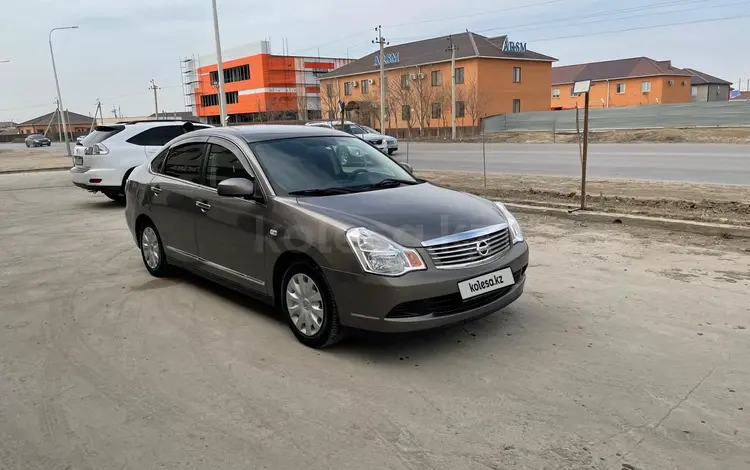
(379, 255)
(515, 229)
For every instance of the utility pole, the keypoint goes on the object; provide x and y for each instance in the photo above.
(156, 99)
(57, 85)
(381, 41)
(220, 68)
(453, 48)
(114, 111)
(585, 149)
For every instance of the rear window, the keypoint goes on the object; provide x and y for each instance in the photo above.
(160, 135)
(100, 134)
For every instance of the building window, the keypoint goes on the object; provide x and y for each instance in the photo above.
(437, 110)
(232, 74)
(645, 86)
(620, 88)
(406, 113)
(405, 81)
(516, 74)
(435, 75)
(460, 109)
(233, 97)
(210, 100)
(555, 92)
(694, 91)
(348, 88)
(365, 87)
(573, 93)
(516, 106)
(459, 75)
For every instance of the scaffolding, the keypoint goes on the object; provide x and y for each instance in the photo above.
(189, 73)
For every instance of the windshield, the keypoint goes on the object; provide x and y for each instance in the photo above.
(305, 163)
(370, 130)
(350, 129)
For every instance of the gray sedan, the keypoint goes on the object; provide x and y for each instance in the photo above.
(37, 140)
(272, 212)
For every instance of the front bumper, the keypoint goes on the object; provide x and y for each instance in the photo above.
(389, 304)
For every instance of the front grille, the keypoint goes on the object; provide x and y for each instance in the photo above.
(470, 250)
(376, 141)
(450, 304)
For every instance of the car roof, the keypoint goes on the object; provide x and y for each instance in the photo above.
(264, 132)
(160, 122)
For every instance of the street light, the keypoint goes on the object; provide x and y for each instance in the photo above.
(57, 85)
(220, 70)
(4, 61)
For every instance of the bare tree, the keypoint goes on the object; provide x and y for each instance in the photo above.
(474, 101)
(424, 97)
(443, 96)
(329, 99)
(404, 101)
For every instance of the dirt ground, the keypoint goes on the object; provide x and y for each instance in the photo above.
(698, 135)
(628, 350)
(726, 204)
(32, 159)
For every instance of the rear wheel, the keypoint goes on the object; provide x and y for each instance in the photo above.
(152, 251)
(307, 301)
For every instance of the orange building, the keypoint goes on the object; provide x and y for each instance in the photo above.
(493, 76)
(258, 85)
(625, 82)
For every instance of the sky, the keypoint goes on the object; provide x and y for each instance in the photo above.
(121, 45)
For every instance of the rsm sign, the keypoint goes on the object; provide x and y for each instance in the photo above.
(511, 46)
(390, 58)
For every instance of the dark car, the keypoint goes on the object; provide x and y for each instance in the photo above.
(37, 140)
(270, 211)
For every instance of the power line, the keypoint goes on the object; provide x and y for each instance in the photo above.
(482, 13)
(641, 28)
(607, 20)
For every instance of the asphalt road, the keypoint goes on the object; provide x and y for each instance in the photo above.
(701, 163)
(704, 163)
(626, 348)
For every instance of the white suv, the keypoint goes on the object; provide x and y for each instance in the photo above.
(356, 130)
(104, 159)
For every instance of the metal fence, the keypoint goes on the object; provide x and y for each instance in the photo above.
(711, 114)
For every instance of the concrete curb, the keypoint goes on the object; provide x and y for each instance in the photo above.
(701, 228)
(35, 170)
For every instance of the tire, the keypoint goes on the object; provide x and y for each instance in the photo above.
(28, 145)
(391, 151)
(118, 198)
(315, 291)
(150, 243)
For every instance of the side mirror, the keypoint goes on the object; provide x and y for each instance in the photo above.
(407, 167)
(236, 187)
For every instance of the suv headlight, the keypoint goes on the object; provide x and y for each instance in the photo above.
(515, 229)
(379, 255)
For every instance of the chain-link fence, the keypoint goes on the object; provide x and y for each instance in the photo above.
(711, 114)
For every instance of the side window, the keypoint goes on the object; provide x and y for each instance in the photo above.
(156, 136)
(223, 164)
(184, 162)
(158, 162)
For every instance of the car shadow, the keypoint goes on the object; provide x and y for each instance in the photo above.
(102, 205)
(372, 347)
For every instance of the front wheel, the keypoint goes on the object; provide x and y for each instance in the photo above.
(152, 251)
(391, 151)
(28, 145)
(307, 301)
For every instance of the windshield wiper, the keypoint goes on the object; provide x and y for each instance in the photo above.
(390, 183)
(321, 191)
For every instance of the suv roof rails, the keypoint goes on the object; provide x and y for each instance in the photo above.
(158, 120)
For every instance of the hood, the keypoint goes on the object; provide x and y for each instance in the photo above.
(372, 136)
(408, 214)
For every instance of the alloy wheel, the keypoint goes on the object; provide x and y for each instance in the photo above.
(150, 248)
(304, 304)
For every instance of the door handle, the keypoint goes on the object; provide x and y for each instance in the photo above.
(156, 189)
(203, 205)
